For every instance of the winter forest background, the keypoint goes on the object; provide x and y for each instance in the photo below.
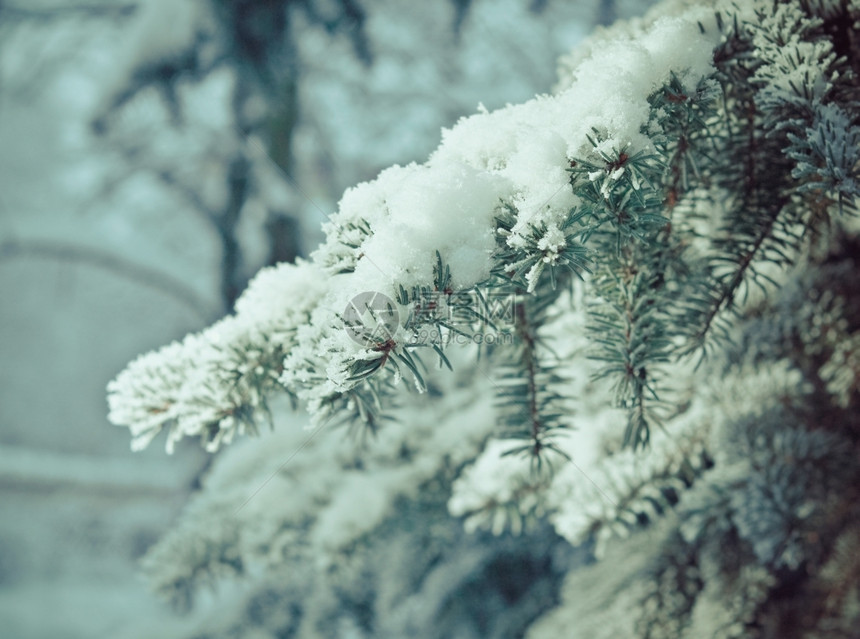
(123, 124)
(157, 154)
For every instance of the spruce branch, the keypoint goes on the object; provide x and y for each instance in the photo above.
(527, 393)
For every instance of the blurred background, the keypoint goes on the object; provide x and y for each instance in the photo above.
(155, 154)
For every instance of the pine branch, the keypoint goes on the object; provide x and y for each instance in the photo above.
(524, 332)
(528, 394)
(728, 290)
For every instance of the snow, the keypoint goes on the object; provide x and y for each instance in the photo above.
(191, 384)
(449, 209)
(322, 487)
(280, 295)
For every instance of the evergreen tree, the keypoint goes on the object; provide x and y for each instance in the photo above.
(652, 273)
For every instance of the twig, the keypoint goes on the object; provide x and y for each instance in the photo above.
(150, 278)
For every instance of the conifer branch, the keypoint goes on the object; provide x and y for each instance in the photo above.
(524, 332)
(728, 290)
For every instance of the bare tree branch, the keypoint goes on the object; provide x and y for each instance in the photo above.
(147, 277)
(87, 9)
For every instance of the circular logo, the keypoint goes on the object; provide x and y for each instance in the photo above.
(371, 318)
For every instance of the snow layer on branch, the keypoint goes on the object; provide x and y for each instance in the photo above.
(518, 154)
(386, 234)
(209, 384)
(448, 208)
(568, 64)
(530, 144)
(278, 298)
